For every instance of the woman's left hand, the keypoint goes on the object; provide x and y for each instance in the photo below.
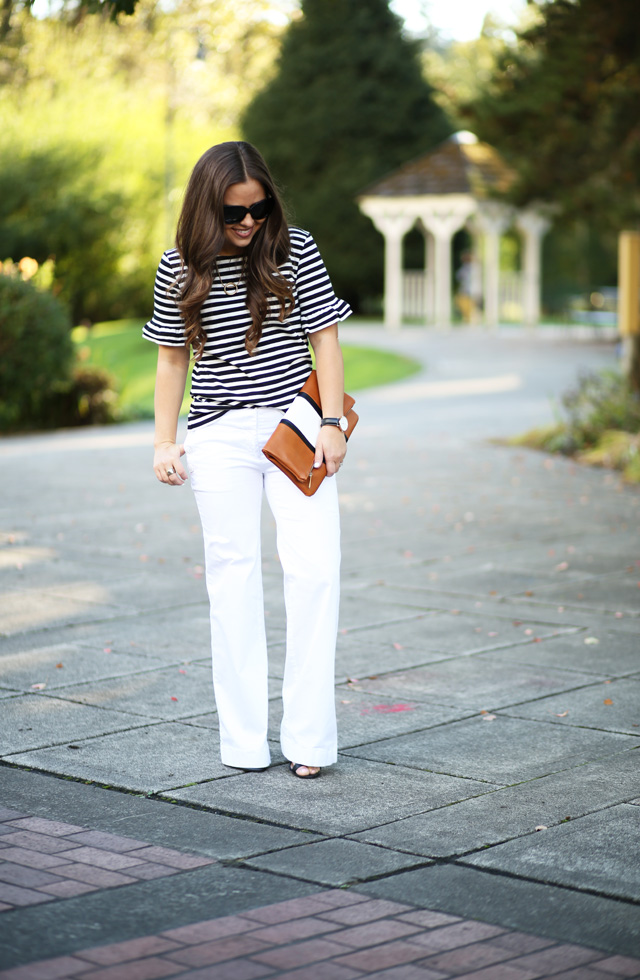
(331, 448)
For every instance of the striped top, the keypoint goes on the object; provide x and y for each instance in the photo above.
(227, 376)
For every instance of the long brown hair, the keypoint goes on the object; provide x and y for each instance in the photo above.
(200, 239)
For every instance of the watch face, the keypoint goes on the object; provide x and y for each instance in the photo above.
(344, 425)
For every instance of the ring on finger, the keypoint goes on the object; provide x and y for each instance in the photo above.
(170, 471)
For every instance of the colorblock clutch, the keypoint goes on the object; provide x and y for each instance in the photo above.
(292, 445)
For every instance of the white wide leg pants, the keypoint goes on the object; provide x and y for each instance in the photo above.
(228, 474)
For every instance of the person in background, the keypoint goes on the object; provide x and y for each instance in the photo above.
(469, 294)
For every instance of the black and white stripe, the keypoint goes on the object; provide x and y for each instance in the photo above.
(227, 376)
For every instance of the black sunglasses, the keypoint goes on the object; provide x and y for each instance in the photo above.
(235, 213)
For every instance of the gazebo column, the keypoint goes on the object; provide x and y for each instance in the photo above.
(443, 227)
(492, 219)
(429, 274)
(533, 226)
(394, 227)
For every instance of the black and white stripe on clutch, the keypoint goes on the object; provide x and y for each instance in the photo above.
(304, 416)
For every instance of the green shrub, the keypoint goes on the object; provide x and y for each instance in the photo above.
(601, 428)
(36, 354)
(41, 385)
(600, 402)
(90, 399)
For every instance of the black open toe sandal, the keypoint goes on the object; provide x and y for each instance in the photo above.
(294, 766)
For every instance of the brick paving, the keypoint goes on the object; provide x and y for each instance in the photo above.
(336, 935)
(43, 860)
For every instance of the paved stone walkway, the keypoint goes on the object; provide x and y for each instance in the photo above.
(43, 860)
(488, 692)
(335, 935)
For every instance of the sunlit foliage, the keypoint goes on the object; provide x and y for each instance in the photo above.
(101, 124)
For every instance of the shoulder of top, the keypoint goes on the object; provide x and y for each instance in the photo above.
(299, 238)
(171, 257)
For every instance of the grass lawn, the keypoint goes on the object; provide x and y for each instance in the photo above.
(119, 348)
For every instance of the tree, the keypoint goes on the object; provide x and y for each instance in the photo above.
(78, 225)
(113, 7)
(348, 103)
(562, 106)
(101, 125)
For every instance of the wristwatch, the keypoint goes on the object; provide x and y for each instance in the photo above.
(340, 423)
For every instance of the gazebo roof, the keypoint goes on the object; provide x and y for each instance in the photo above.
(460, 165)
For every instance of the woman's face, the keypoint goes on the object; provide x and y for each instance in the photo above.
(239, 235)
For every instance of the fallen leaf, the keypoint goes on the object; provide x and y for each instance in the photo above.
(607, 701)
(353, 680)
(398, 646)
(107, 650)
(562, 714)
(38, 687)
(489, 717)
(541, 827)
(562, 567)
(619, 615)
(182, 671)
(492, 633)
(591, 640)
(345, 702)
(528, 632)
(58, 666)
(173, 699)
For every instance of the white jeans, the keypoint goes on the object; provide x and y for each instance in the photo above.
(228, 473)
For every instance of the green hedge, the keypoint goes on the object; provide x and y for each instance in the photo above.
(36, 353)
(41, 385)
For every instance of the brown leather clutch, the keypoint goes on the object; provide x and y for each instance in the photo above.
(292, 445)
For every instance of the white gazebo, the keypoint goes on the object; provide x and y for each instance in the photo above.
(452, 187)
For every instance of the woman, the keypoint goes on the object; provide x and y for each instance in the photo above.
(249, 295)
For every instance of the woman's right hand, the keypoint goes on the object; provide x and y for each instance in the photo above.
(167, 466)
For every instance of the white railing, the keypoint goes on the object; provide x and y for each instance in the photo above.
(414, 295)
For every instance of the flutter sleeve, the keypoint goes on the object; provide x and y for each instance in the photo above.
(318, 305)
(166, 326)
